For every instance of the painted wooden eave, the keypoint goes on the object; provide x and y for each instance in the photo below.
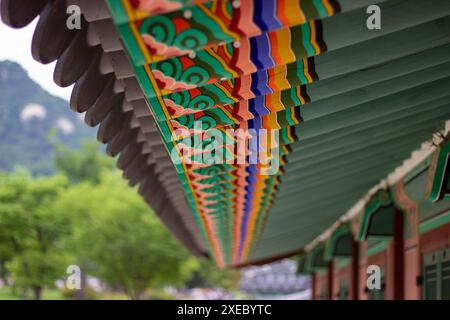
(106, 90)
(350, 105)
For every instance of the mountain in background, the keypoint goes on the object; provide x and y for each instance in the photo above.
(32, 121)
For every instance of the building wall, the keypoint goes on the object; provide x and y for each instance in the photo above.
(435, 240)
(379, 259)
(432, 241)
(362, 270)
(321, 286)
(415, 246)
(412, 258)
(412, 270)
(341, 274)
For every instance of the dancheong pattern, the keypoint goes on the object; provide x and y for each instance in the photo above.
(212, 68)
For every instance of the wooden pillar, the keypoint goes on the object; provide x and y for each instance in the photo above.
(399, 256)
(355, 271)
(330, 276)
(313, 286)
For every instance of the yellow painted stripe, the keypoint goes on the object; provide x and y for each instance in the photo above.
(225, 90)
(293, 116)
(220, 60)
(225, 11)
(227, 52)
(276, 101)
(228, 114)
(218, 21)
(306, 70)
(283, 37)
(288, 133)
(271, 120)
(328, 7)
(280, 77)
(294, 12)
(137, 36)
(299, 94)
(312, 26)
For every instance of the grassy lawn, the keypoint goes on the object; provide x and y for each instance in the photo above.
(8, 294)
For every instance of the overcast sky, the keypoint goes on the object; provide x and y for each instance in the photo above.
(16, 46)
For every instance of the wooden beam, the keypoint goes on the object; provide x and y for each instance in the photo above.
(355, 271)
(330, 279)
(19, 13)
(51, 36)
(313, 286)
(399, 255)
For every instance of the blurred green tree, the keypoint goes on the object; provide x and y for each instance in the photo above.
(207, 275)
(119, 239)
(87, 215)
(31, 230)
(84, 164)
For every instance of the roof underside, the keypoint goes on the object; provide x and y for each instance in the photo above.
(349, 104)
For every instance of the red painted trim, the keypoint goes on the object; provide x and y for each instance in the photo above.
(399, 256)
(435, 240)
(355, 271)
(313, 286)
(330, 281)
(431, 241)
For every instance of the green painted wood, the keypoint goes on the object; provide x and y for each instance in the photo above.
(343, 246)
(380, 223)
(378, 108)
(349, 5)
(356, 78)
(365, 55)
(436, 269)
(340, 243)
(350, 28)
(375, 246)
(415, 190)
(315, 259)
(435, 222)
(367, 138)
(389, 124)
(438, 184)
(289, 219)
(361, 153)
(338, 103)
(301, 265)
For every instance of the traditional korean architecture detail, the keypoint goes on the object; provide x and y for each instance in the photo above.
(438, 186)
(340, 244)
(264, 129)
(377, 217)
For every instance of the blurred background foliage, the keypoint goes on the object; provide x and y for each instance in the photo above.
(87, 215)
(63, 202)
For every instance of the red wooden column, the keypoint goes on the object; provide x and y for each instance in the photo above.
(355, 271)
(330, 275)
(399, 256)
(313, 286)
